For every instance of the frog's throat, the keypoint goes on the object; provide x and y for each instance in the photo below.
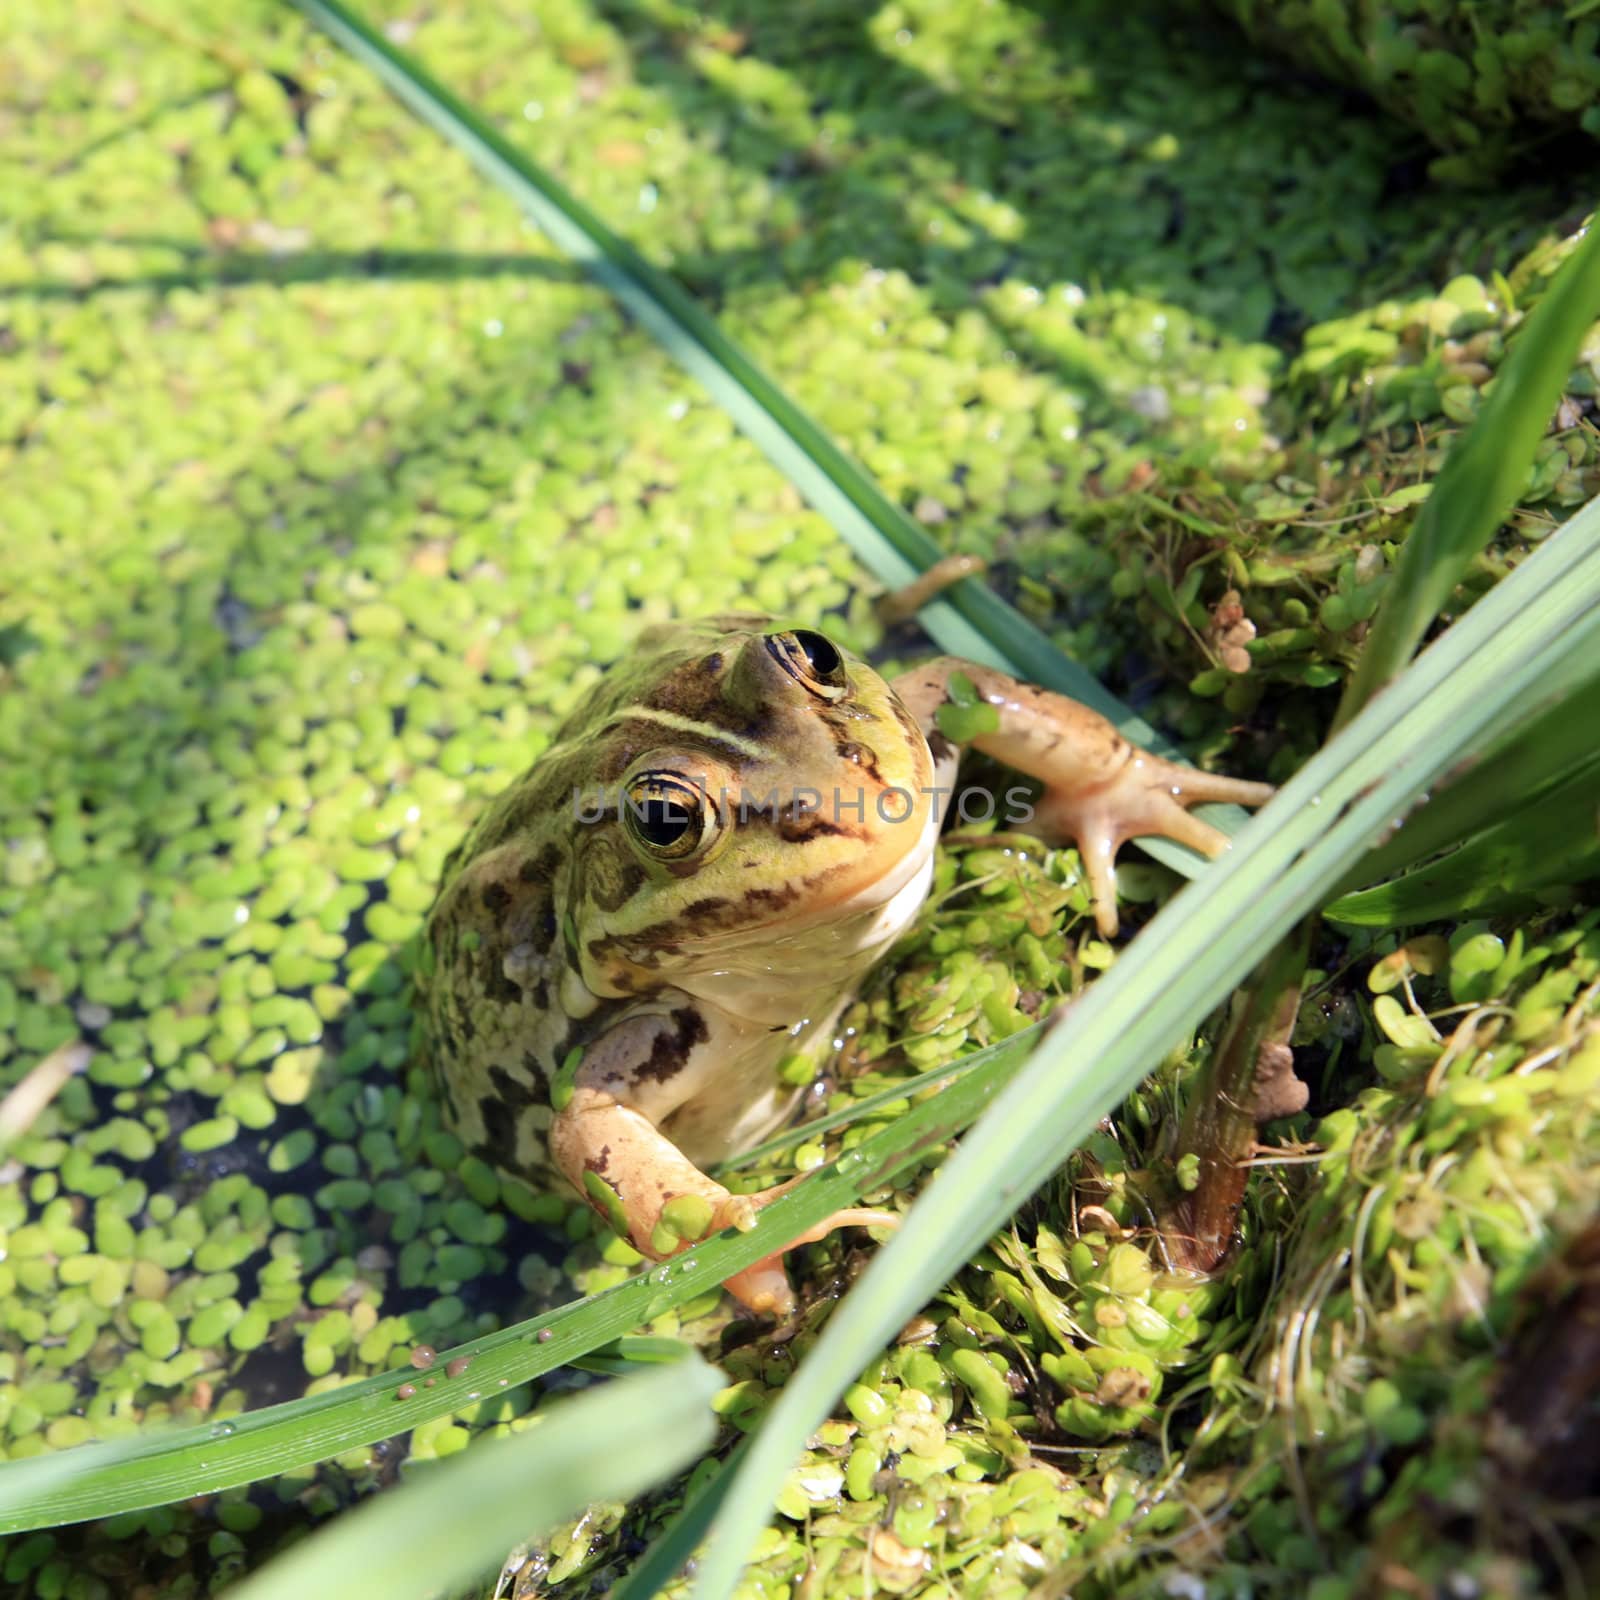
(793, 978)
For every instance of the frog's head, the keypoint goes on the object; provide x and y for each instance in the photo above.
(758, 785)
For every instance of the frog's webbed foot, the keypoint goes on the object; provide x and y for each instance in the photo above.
(1145, 796)
(662, 1204)
(1099, 790)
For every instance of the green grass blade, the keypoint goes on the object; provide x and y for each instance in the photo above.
(436, 1530)
(856, 1111)
(1548, 843)
(1550, 739)
(971, 620)
(130, 1474)
(1483, 474)
(1195, 950)
(655, 1569)
(49, 1475)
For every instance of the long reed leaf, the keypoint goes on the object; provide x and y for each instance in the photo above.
(1548, 843)
(129, 1474)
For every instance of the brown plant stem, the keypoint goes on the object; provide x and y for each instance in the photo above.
(1250, 1079)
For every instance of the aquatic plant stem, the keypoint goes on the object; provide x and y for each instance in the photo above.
(1248, 1079)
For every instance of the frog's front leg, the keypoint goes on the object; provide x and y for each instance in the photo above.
(1099, 789)
(606, 1139)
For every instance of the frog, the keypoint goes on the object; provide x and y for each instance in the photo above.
(689, 883)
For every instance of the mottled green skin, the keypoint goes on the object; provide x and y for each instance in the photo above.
(553, 934)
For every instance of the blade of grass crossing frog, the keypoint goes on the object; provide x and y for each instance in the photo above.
(857, 1110)
(971, 621)
(605, 1445)
(1195, 950)
(1483, 474)
(100, 1480)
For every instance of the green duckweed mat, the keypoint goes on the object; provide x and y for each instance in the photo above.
(328, 487)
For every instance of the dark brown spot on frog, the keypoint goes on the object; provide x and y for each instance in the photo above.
(939, 747)
(499, 1145)
(693, 693)
(670, 1051)
(518, 1093)
(447, 1088)
(496, 985)
(716, 912)
(908, 723)
(615, 887)
(798, 822)
(540, 868)
(700, 741)
(858, 755)
(496, 897)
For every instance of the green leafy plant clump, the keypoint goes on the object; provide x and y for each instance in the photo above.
(1483, 84)
(1261, 593)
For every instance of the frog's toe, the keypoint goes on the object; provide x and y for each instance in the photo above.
(853, 1217)
(1147, 797)
(1098, 853)
(1173, 822)
(1190, 786)
(764, 1287)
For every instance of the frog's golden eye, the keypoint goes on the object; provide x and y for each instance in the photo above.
(812, 661)
(666, 817)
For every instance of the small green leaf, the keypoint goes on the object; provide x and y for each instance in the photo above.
(962, 724)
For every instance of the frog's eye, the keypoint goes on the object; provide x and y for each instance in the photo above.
(666, 817)
(812, 661)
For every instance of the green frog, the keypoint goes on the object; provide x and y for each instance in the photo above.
(688, 884)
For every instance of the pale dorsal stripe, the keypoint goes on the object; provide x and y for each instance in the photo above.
(751, 749)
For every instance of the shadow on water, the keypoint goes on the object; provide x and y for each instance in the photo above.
(173, 740)
(224, 266)
(1257, 216)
